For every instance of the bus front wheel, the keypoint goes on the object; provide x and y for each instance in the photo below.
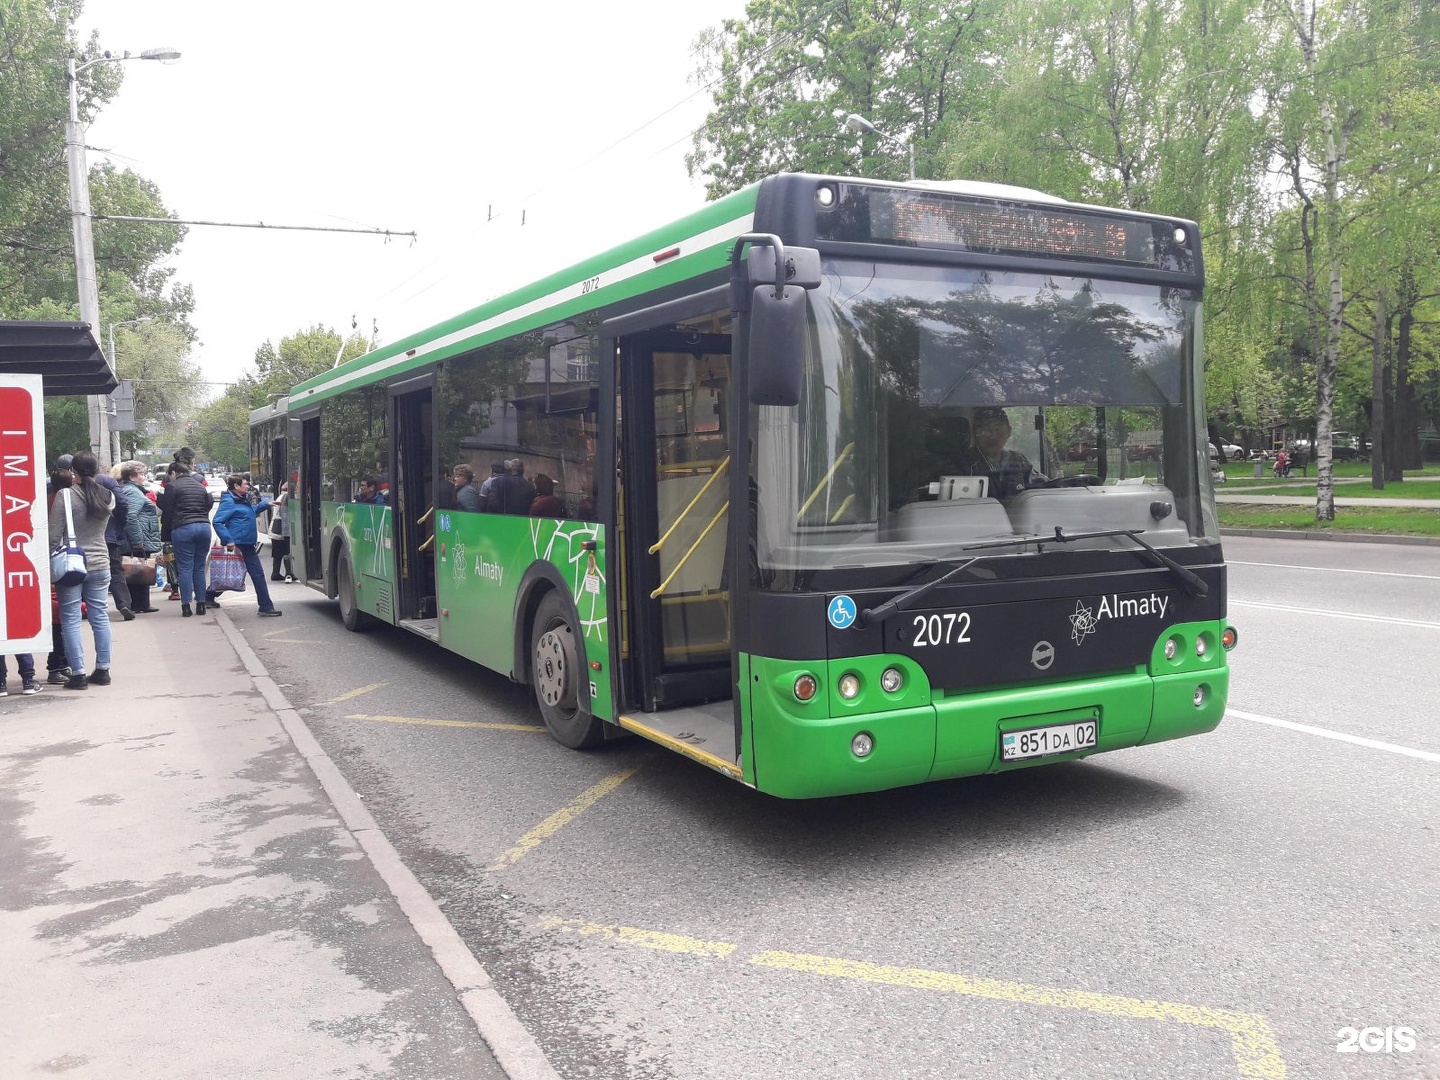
(558, 675)
(350, 613)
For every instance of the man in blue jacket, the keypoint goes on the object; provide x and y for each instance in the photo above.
(234, 522)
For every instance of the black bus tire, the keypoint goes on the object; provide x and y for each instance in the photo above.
(354, 619)
(557, 675)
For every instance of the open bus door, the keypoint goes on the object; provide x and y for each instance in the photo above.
(675, 456)
(412, 502)
(312, 567)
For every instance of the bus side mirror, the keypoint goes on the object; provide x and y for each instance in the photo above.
(778, 338)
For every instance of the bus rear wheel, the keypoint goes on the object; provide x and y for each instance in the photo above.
(558, 675)
(350, 613)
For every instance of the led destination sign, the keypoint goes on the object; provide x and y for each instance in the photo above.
(941, 220)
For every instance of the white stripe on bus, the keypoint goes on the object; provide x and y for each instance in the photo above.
(624, 272)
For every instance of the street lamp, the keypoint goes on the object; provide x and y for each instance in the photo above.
(80, 226)
(855, 122)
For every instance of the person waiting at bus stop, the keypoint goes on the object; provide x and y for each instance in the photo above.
(185, 510)
(1010, 471)
(235, 523)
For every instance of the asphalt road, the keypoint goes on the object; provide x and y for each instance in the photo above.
(1224, 906)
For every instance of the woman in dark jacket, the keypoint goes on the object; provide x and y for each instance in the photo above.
(187, 505)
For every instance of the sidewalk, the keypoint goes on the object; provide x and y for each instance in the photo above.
(181, 895)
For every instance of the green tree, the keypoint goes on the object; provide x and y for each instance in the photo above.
(783, 77)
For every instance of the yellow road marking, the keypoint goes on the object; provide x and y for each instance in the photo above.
(645, 939)
(444, 723)
(1256, 1052)
(357, 693)
(562, 817)
(1252, 1041)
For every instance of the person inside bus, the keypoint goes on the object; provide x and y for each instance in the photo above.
(546, 503)
(1010, 471)
(467, 495)
(370, 492)
(487, 502)
(514, 491)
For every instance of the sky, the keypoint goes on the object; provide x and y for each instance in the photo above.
(449, 120)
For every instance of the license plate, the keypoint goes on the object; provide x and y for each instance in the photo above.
(1043, 741)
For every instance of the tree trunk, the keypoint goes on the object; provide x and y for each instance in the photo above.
(1405, 452)
(1380, 356)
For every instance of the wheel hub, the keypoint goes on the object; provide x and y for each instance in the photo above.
(554, 660)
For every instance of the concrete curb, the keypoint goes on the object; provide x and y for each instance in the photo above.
(1342, 537)
(516, 1050)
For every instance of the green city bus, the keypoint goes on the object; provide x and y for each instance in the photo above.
(776, 534)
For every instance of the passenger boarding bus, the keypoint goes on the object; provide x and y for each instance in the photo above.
(833, 486)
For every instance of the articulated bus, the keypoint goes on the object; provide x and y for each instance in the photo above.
(779, 536)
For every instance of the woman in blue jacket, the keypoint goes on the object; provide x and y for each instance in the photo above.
(234, 522)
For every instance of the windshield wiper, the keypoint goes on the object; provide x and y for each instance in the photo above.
(1193, 583)
(885, 610)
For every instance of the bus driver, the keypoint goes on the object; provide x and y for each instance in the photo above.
(1010, 471)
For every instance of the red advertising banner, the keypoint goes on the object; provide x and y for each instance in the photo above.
(24, 557)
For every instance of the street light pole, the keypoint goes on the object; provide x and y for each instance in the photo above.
(858, 123)
(84, 238)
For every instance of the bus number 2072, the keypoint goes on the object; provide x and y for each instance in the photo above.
(952, 628)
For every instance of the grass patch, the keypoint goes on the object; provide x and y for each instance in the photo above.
(1422, 490)
(1382, 520)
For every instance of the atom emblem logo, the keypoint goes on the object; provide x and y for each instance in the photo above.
(1082, 623)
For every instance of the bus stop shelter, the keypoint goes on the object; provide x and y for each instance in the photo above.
(65, 354)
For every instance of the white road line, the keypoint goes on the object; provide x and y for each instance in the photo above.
(1373, 744)
(1333, 570)
(1337, 614)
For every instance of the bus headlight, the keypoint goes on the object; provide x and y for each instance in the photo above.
(849, 686)
(1200, 695)
(1200, 645)
(891, 679)
(805, 687)
(862, 744)
(1172, 646)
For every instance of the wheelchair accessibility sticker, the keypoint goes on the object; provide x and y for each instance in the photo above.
(841, 612)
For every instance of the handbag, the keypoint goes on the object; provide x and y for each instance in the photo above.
(138, 571)
(227, 571)
(67, 557)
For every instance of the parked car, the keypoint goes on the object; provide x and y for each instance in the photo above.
(1345, 447)
(1233, 452)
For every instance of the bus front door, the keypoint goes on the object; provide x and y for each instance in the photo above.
(675, 457)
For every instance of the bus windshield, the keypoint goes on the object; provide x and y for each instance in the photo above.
(950, 406)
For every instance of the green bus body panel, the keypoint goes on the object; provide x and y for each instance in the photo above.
(580, 288)
(366, 529)
(801, 750)
(481, 562)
